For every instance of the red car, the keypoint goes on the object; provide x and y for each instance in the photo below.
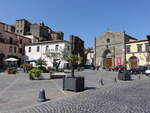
(119, 67)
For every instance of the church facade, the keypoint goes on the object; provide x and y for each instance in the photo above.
(110, 49)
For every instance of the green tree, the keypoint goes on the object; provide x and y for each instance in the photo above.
(41, 62)
(73, 59)
(55, 56)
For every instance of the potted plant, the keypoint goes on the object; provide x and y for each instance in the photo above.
(11, 71)
(35, 73)
(73, 83)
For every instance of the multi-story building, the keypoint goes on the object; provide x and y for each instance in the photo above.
(90, 58)
(7, 27)
(12, 44)
(44, 33)
(110, 49)
(39, 30)
(138, 53)
(57, 35)
(36, 32)
(77, 45)
(35, 51)
(22, 27)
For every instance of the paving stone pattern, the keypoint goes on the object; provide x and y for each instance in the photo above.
(125, 98)
(19, 94)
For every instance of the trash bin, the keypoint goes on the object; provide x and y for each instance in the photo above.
(124, 75)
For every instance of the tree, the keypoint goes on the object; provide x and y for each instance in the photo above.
(73, 59)
(55, 56)
(40, 62)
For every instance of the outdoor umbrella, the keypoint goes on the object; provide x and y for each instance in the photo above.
(11, 60)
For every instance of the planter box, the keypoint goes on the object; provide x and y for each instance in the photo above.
(57, 75)
(73, 84)
(124, 75)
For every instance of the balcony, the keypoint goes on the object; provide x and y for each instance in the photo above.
(7, 41)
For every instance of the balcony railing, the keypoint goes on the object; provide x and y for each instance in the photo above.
(7, 41)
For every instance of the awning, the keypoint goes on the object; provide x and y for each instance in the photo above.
(30, 60)
(11, 60)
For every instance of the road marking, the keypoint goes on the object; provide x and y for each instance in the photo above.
(9, 86)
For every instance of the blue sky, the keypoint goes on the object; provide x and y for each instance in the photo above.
(84, 18)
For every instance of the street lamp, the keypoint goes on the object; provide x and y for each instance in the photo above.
(124, 49)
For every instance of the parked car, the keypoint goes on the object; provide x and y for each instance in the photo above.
(147, 71)
(138, 70)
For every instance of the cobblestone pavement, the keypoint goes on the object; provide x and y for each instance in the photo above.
(132, 97)
(18, 93)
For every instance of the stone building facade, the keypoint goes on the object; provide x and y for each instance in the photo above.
(110, 49)
(77, 45)
(22, 27)
(138, 53)
(40, 31)
(12, 44)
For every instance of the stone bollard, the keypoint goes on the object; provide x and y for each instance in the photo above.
(101, 82)
(139, 77)
(115, 80)
(41, 97)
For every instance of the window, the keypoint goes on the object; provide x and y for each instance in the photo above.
(20, 50)
(20, 41)
(15, 49)
(68, 48)
(139, 47)
(10, 40)
(147, 47)
(10, 49)
(46, 49)
(20, 31)
(17, 31)
(128, 49)
(56, 47)
(108, 40)
(29, 49)
(38, 48)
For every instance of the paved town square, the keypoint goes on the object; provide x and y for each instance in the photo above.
(19, 94)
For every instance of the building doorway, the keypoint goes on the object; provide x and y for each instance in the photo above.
(133, 62)
(107, 59)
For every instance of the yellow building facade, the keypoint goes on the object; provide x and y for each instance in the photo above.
(137, 53)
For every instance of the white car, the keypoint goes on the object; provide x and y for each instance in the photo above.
(147, 72)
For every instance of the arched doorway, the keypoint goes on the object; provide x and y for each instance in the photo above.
(133, 61)
(107, 59)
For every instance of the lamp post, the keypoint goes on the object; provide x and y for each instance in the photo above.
(124, 49)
